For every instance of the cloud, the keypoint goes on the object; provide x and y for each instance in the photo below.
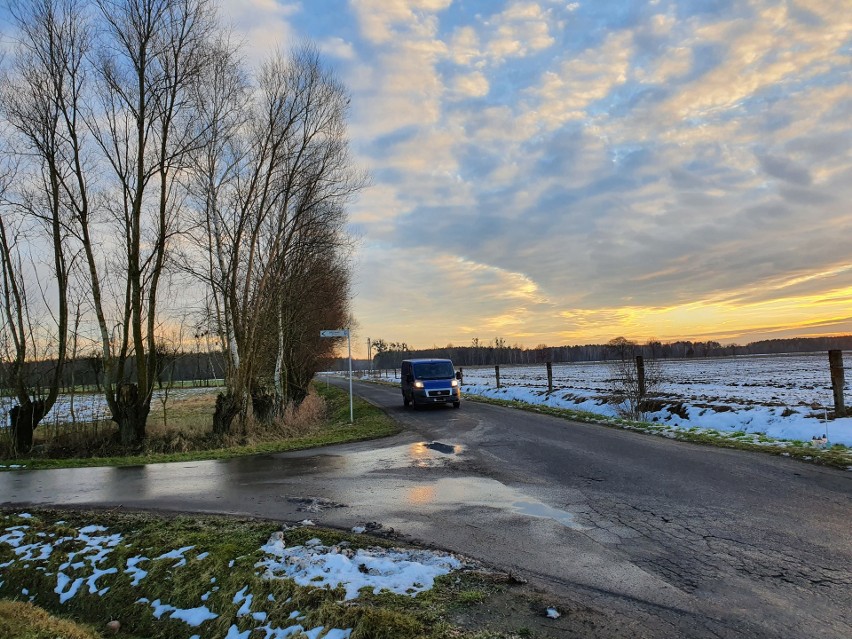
(337, 48)
(785, 169)
(500, 298)
(676, 62)
(471, 85)
(522, 28)
(402, 87)
(464, 46)
(567, 92)
(264, 25)
(383, 21)
(768, 50)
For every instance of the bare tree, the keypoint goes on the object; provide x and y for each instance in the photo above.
(316, 296)
(168, 352)
(223, 115)
(634, 380)
(275, 203)
(149, 61)
(49, 36)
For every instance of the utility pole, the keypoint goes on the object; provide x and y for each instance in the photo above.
(369, 357)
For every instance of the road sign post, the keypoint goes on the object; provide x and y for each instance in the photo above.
(344, 332)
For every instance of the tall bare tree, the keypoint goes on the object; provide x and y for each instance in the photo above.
(43, 68)
(288, 177)
(149, 62)
(223, 116)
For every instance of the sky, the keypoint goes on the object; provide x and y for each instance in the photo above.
(569, 172)
(551, 172)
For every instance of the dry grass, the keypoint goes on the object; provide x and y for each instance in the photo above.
(183, 425)
(191, 416)
(23, 620)
(297, 421)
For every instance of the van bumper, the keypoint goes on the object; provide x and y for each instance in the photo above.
(437, 396)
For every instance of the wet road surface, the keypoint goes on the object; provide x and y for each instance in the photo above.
(657, 538)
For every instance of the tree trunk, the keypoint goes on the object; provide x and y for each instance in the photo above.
(263, 404)
(25, 418)
(227, 409)
(132, 414)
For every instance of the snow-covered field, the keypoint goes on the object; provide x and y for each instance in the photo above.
(782, 396)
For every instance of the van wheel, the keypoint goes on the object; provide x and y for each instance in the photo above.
(456, 404)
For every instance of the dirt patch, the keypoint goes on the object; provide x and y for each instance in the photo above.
(522, 611)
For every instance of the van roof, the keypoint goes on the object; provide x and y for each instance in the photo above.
(421, 360)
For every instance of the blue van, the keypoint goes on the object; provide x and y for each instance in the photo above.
(430, 381)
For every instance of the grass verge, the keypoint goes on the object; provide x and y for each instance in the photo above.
(145, 571)
(335, 428)
(837, 456)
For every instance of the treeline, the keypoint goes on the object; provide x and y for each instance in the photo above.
(496, 352)
(87, 373)
(211, 367)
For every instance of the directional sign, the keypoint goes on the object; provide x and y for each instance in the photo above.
(340, 332)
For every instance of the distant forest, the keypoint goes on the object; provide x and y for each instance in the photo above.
(497, 352)
(209, 367)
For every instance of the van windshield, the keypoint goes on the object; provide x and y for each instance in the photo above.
(434, 370)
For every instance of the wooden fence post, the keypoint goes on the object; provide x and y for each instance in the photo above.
(461, 376)
(549, 377)
(497, 373)
(835, 362)
(640, 375)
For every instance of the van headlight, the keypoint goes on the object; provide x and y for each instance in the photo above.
(454, 383)
(418, 384)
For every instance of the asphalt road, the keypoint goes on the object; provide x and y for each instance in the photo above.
(631, 535)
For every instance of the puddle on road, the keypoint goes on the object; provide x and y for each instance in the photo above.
(447, 449)
(283, 468)
(415, 454)
(537, 509)
(443, 493)
(471, 491)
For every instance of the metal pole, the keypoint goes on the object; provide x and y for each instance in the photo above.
(349, 342)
